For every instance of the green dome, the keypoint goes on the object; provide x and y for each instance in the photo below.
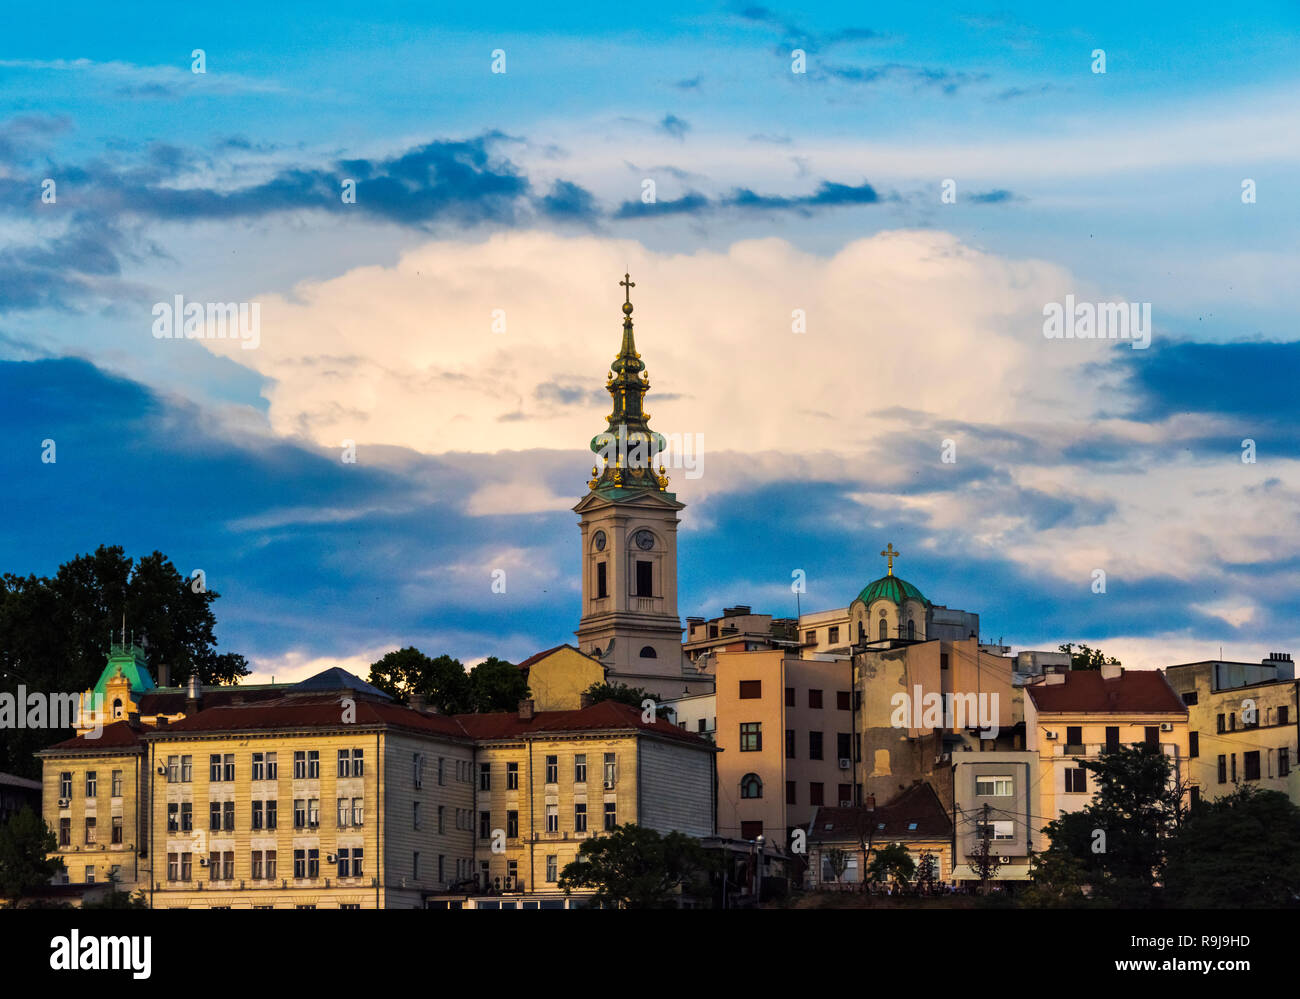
(891, 588)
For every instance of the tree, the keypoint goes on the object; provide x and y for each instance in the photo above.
(1085, 657)
(118, 899)
(838, 860)
(1119, 839)
(927, 875)
(983, 861)
(26, 866)
(496, 685)
(892, 863)
(1237, 852)
(623, 694)
(442, 681)
(636, 868)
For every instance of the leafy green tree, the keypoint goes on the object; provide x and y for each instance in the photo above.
(637, 868)
(927, 874)
(1085, 657)
(1119, 839)
(892, 863)
(623, 694)
(496, 685)
(443, 681)
(1237, 852)
(26, 866)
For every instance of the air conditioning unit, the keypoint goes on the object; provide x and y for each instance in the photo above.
(1004, 860)
(162, 771)
(65, 802)
(846, 804)
(203, 861)
(1049, 735)
(845, 763)
(609, 784)
(1166, 726)
(333, 858)
(942, 758)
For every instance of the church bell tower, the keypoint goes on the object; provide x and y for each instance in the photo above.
(629, 536)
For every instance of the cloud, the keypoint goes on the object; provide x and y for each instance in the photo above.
(674, 126)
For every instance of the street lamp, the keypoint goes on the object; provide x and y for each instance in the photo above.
(758, 870)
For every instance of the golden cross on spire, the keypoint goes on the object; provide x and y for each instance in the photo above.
(628, 284)
(890, 554)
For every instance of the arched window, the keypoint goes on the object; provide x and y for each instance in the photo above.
(861, 633)
(648, 652)
(117, 707)
(911, 628)
(884, 629)
(751, 786)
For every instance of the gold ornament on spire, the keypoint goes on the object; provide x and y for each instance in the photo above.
(890, 554)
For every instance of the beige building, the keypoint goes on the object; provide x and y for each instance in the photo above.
(1242, 720)
(1075, 716)
(995, 794)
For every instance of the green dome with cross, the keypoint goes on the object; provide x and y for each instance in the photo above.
(891, 587)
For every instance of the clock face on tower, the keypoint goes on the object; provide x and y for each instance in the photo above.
(644, 540)
(599, 541)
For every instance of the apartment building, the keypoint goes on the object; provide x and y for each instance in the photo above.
(1074, 716)
(1243, 723)
(995, 794)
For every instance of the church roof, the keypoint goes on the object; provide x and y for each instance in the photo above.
(130, 660)
(891, 588)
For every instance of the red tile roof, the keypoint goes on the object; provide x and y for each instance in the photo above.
(890, 823)
(323, 710)
(118, 735)
(538, 656)
(171, 701)
(1085, 691)
(600, 716)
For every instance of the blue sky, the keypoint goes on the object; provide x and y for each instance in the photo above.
(775, 191)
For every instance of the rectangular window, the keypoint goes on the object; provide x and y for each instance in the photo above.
(791, 792)
(228, 767)
(1223, 769)
(117, 830)
(1232, 765)
(814, 745)
(270, 865)
(313, 863)
(602, 581)
(214, 816)
(272, 768)
(173, 769)
(552, 868)
(644, 579)
(1190, 698)
(1218, 721)
(789, 697)
(345, 860)
(417, 770)
(299, 864)
(751, 737)
(484, 825)
(580, 768)
(1074, 735)
(843, 745)
(228, 816)
(1193, 743)
(256, 865)
(116, 789)
(485, 776)
(580, 817)
(512, 776)
(552, 769)
(442, 771)
(214, 768)
(816, 793)
(833, 635)
(1112, 738)
(810, 638)
(998, 786)
(1076, 780)
(257, 814)
(442, 819)
(1250, 765)
(552, 818)
(1283, 761)
(512, 825)
(843, 701)
(173, 816)
(258, 767)
(358, 770)
(814, 698)
(65, 784)
(271, 813)
(789, 744)
(173, 866)
(611, 816)
(65, 832)
(313, 764)
(300, 813)
(299, 766)
(313, 812)
(751, 690)
(214, 866)
(415, 815)
(345, 812)
(92, 784)
(611, 770)
(358, 811)
(1153, 735)
(751, 830)
(845, 795)
(1283, 715)
(415, 864)
(345, 766)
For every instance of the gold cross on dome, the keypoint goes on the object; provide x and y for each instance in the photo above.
(628, 284)
(890, 554)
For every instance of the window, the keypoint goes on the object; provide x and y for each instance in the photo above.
(269, 857)
(1189, 697)
(173, 867)
(484, 825)
(580, 817)
(816, 793)
(602, 581)
(810, 638)
(259, 766)
(313, 764)
(1073, 737)
(1283, 715)
(814, 698)
(116, 789)
(611, 816)
(1076, 780)
(257, 813)
(173, 769)
(843, 701)
(751, 830)
(272, 767)
(117, 830)
(173, 816)
(552, 769)
(65, 784)
(65, 832)
(271, 814)
(648, 652)
(313, 863)
(999, 786)
(814, 745)
(485, 776)
(1193, 743)
(345, 768)
(187, 816)
(345, 863)
(792, 792)
(552, 818)
(417, 770)
(1232, 721)
(512, 776)
(415, 815)
(751, 737)
(1232, 764)
(789, 697)
(843, 745)
(1112, 738)
(611, 770)
(1283, 761)
(751, 689)
(300, 813)
(884, 629)
(1218, 720)
(943, 660)
(214, 816)
(299, 765)
(299, 863)
(845, 794)
(92, 784)
(256, 865)
(751, 786)
(214, 866)
(512, 825)
(90, 874)
(1250, 765)
(442, 774)
(442, 819)
(552, 868)
(644, 578)
(228, 816)
(580, 768)
(789, 744)
(996, 830)
(833, 635)
(345, 812)
(214, 768)
(1152, 735)
(1223, 768)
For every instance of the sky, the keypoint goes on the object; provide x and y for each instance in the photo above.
(846, 227)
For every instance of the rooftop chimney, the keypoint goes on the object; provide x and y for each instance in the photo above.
(1111, 671)
(526, 710)
(1051, 679)
(193, 696)
(585, 700)
(164, 675)
(416, 702)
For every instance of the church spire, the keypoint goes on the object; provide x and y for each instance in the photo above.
(628, 446)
